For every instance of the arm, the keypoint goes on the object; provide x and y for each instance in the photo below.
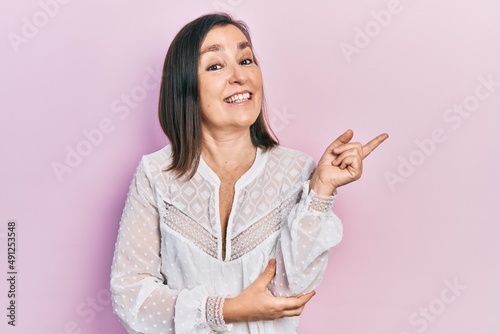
(142, 300)
(257, 303)
(302, 251)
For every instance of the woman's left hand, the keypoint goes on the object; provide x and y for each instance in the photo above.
(342, 163)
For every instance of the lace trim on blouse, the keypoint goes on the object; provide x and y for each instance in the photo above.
(240, 244)
(260, 231)
(190, 229)
(214, 313)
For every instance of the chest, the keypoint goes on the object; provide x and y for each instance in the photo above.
(226, 199)
(254, 218)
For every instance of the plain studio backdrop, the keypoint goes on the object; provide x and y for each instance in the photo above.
(79, 91)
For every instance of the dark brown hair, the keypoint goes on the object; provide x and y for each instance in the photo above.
(179, 109)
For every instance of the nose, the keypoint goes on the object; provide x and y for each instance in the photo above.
(238, 75)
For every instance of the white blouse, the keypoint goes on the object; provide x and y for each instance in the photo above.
(168, 269)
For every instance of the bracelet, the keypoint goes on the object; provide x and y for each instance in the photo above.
(215, 316)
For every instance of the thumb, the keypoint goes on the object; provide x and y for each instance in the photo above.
(267, 275)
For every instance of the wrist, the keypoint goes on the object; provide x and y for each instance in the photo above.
(229, 310)
(321, 188)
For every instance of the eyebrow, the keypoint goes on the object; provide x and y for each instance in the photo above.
(218, 47)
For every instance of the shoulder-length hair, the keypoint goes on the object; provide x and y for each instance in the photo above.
(179, 105)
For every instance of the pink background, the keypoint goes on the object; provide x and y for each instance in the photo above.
(424, 216)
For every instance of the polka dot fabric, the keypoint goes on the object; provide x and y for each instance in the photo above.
(168, 257)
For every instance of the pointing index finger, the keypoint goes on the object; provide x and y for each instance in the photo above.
(373, 144)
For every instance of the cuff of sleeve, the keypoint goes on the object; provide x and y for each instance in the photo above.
(318, 203)
(214, 314)
(191, 313)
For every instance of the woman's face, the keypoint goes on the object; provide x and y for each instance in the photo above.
(229, 81)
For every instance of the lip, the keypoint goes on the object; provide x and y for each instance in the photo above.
(241, 92)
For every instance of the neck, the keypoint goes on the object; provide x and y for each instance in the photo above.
(228, 152)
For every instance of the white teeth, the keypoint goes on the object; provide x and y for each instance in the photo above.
(238, 98)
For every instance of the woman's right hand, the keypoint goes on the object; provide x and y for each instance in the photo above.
(257, 303)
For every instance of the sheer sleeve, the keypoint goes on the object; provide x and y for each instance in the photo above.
(141, 297)
(302, 249)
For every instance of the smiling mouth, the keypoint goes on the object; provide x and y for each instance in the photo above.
(238, 98)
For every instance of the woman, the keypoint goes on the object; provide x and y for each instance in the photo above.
(224, 230)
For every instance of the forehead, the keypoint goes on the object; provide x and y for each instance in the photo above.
(225, 36)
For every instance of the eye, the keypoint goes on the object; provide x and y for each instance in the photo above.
(247, 61)
(214, 67)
